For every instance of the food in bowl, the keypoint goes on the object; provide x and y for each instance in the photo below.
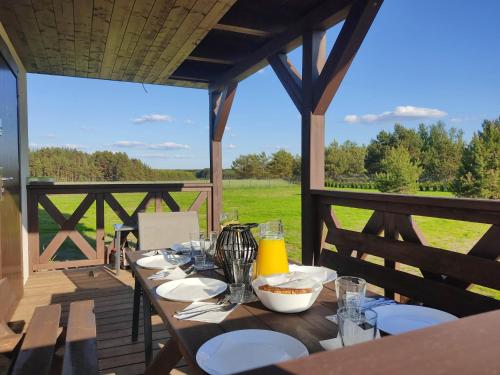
(280, 294)
(277, 289)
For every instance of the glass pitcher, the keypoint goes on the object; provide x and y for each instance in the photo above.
(271, 255)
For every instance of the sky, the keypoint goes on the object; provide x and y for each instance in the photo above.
(422, 61)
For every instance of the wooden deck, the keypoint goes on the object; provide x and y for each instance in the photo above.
(113, 308)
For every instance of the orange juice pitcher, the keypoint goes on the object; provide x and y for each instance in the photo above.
(271, 255)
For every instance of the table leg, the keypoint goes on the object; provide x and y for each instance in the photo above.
(136, 309)
(148, 329)
(166, 359)
(118, 252)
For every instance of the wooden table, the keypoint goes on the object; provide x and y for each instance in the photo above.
(309, 327)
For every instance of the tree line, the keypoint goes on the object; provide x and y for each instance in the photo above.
(399, 160)
(395, 161)
(65, 164)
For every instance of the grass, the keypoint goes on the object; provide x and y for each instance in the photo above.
(259, 201)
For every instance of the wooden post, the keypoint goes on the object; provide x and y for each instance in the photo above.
(33, 230)
(99, 233)
(220, 103)
(313, 144)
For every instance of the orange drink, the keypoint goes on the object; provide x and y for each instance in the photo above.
(271, 255)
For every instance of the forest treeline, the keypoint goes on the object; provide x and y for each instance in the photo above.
(65, 164)
(402, 161)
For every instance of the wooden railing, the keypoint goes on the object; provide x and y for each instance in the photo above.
(101, 194)
(447, 276)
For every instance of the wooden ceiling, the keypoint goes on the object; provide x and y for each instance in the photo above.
(192, 43)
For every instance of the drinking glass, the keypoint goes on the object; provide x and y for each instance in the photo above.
(199, 261)
(230, 216)
(356, 326)
(241, 270)
(194, 240)
(350, 292)
(237, 291)
(208, 249)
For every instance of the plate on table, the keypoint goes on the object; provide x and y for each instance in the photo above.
(323, 274)
(396, 319)
(247, 349)
(163, 261)
(192, 289)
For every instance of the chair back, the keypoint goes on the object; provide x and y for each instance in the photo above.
(160, 230)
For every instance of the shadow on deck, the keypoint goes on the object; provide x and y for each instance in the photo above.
(113, 307)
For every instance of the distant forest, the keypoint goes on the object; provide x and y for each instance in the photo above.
(65, 164)
(404, 160)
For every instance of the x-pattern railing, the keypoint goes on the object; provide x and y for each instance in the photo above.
(100, 194)
(447, 275)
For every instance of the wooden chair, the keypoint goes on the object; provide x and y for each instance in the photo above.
(160, 230)
(37, 352)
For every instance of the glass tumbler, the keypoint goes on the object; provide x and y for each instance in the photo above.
(350, 292)
(356, 326)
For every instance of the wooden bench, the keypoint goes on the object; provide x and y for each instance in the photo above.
(36, 355)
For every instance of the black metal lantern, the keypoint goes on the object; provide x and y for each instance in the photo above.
(235, 242)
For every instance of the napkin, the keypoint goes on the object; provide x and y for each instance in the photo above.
(233, 356)
(169, 274)
(369, 303)
(153, 252)
(336, 343)
(209, 316)
(319, 274)
(295, 280)
(181, 247)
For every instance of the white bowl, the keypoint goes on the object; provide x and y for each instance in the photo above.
(286, 303)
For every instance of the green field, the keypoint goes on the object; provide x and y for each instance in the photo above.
(259, 201)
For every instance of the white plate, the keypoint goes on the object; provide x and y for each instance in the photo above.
(395, 319)
(323, 274)
(192, 289)
(247, 349)
(163, 261)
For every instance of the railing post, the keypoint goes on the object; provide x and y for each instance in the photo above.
(33, 230)
(99, 231)
(313, 143)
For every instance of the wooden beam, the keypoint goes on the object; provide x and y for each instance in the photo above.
(346, 46)
(289, 77)
(210, 60)
(313, 145)
(223, 108)
(220, 103)
(326, 15)
(243, 30)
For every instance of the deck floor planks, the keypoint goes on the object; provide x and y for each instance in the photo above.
(117, 354)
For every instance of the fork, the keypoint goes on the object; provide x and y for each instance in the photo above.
(220, 302)
(222, 308)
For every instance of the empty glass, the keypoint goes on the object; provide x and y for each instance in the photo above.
(356, 326)
(194, 240)
(230, 216)
(241, 275)
(237, 292)
(350, 292)
(208, 246)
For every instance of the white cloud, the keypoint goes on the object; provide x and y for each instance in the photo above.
(154, 146)
(189, 121)
(50, 135)
(165, 156)
(399, 113)
(231, 146)
(129, 144)
(167, 146)
(155, 117)
(65, 145)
